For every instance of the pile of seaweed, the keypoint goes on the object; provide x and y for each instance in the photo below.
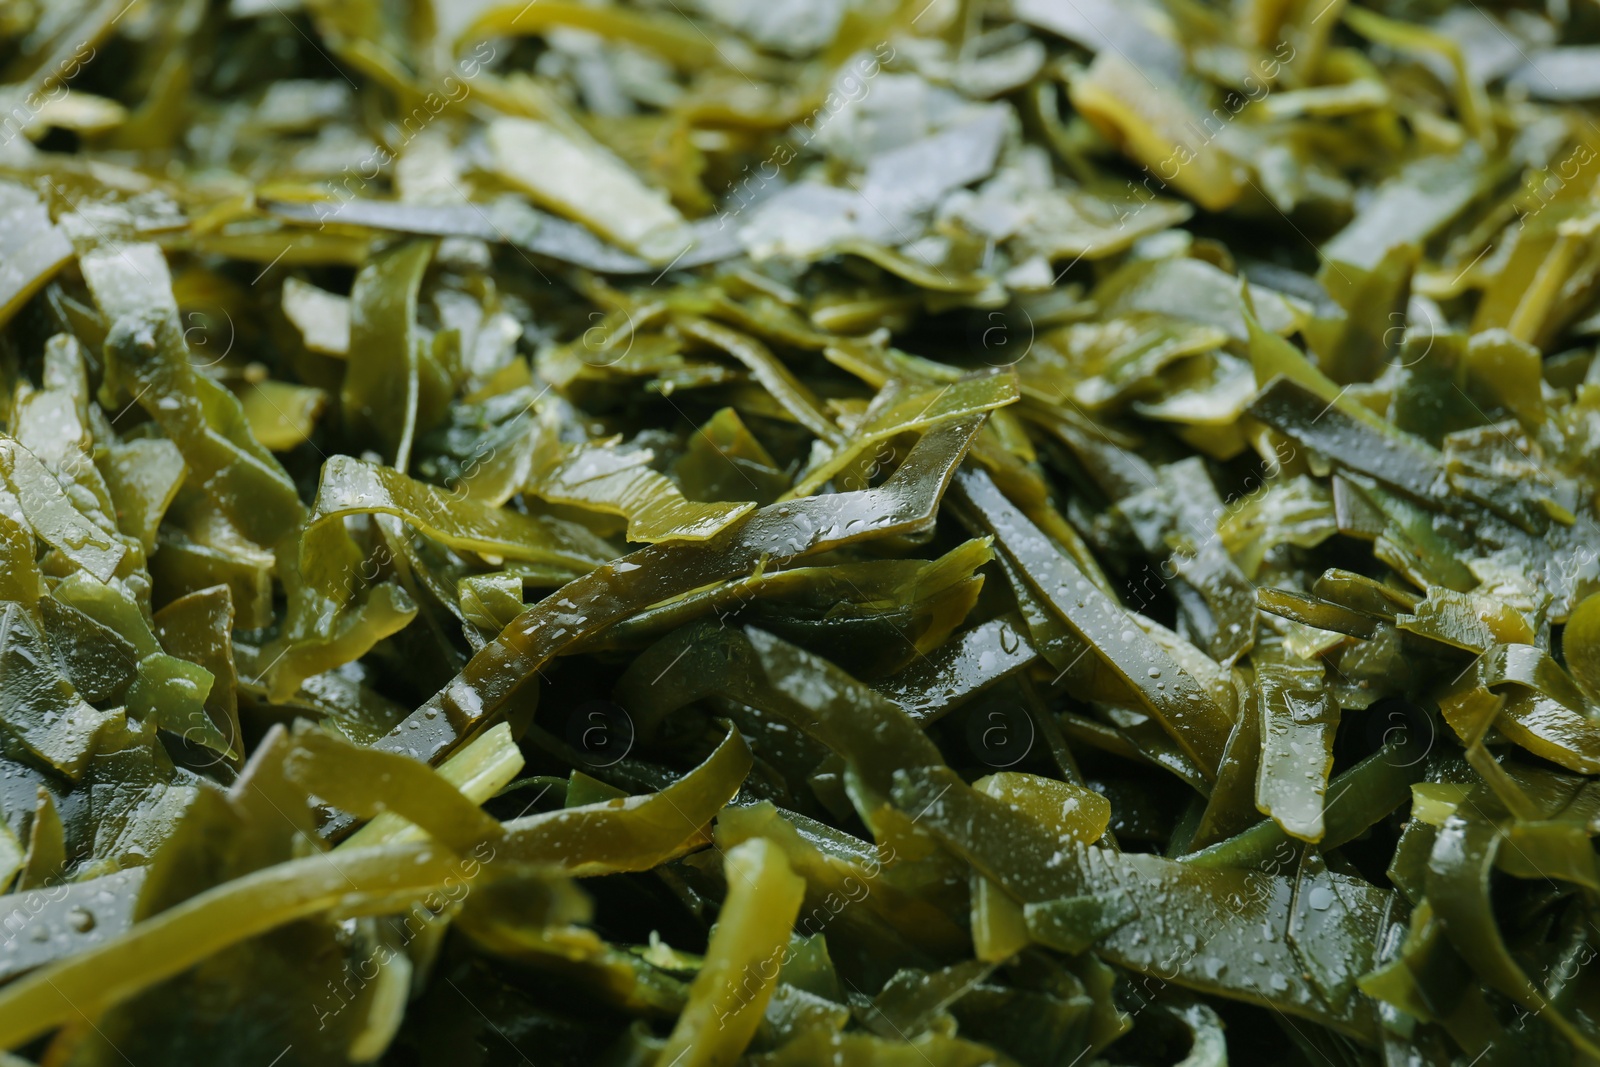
(781, 532)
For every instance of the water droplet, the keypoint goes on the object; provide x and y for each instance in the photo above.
(82, 920)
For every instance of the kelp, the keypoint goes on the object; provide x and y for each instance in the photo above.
(1297, 730)
(1193, 718)
(190, 932)
(768, 534)
(876, 617)
(610, 480)
(349, 487)
(35, 249)
(1140, 893)
(903, 504)
(388, 373)
(752, 929)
